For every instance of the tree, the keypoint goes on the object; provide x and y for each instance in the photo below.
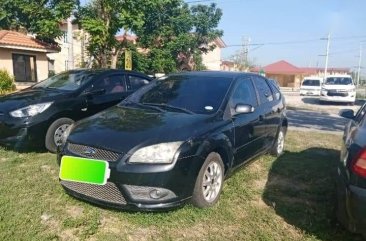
(38, 17)
(241, 61)
(103, 19)
(177, 35)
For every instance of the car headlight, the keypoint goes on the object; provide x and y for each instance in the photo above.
(163, 153)
(352, 90)
(30, 110)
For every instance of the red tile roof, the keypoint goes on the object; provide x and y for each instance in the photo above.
(284, 67)
(12, 38)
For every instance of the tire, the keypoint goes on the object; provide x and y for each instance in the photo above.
(54, 132)
(203, 195)
(278, 146)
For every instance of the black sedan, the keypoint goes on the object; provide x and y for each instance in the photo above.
(37, 116)
(173, 140)
(351, 181)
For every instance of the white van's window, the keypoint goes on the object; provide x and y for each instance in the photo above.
(338, 81)
(311, 82)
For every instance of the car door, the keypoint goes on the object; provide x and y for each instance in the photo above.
(278, 107)
(247, 127)
(105, 92)
(266, 110)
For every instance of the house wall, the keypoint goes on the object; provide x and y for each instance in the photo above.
(61, 58)
(212, 60)
(6, 62)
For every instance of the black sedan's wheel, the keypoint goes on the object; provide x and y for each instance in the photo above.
(209, 182)
(55, 132)
(279, 144)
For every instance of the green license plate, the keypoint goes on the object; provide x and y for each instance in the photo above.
(84, 170)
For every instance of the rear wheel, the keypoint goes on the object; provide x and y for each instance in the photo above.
(209, 182)
(278, 146)
(55, 132)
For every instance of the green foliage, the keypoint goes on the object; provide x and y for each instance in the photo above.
(177, 35)
(39, 17)
(6, 82)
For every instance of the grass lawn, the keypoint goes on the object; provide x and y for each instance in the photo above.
(288, 198)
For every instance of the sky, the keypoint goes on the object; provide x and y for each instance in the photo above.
(268, 21)
(297, 27)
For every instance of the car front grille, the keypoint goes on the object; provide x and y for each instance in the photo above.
(338, 93)
(92, 152)
(106, 193)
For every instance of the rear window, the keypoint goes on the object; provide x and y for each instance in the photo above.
(311, 82)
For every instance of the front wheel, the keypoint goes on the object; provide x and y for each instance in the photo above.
(54, 133)
(279, 144)
(209, 182)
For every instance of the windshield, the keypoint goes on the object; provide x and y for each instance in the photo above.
(67, 81)
(311, 82)
(197, 94)
(338, 81)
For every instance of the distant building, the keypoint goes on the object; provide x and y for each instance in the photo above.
(24, 57)
(289, 75)
(59, 62)
(227, 65)
(212, 60)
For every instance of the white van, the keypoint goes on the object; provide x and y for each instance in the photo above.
(338, 88)
(311, 86)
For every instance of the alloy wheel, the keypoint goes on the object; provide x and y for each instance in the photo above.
(212, 181)
(57, 138)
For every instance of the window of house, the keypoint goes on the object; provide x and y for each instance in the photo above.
(64, 37)
(24, 68)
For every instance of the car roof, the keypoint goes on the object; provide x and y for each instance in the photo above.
(105, 71)
(226, 74)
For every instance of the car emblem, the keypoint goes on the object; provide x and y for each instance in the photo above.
(90, 151)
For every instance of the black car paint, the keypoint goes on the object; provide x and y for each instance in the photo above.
(124, 129)
(351, 188)
(29, 132)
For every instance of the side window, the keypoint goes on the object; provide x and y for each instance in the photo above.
(361, 113)
(112, 84)
(244, 93)
(265, 93)
(135, 82)
(275, 90)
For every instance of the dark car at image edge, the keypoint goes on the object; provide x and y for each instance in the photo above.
(177, 139)
(351, 173)
(37, 116)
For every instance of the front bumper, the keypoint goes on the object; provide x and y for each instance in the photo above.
(134, 186)
(309, 92)
(22, 133)
(348, 99)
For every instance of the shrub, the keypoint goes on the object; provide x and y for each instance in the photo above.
(6, 82)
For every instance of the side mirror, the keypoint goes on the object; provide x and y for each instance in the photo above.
(243, 109)
(347, 113)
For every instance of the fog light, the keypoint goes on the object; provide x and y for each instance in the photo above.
(142, 193)
(158, 194)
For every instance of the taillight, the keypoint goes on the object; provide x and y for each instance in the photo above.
(359, 164)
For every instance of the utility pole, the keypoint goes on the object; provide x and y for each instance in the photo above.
(359, 65)
(326, 55)
(70, 63)
(245, 51)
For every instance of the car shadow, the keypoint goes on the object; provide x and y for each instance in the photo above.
(316, 101)
(318, 120)
(301, 189)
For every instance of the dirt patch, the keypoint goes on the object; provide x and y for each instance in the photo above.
(54, 226)
(74, 211)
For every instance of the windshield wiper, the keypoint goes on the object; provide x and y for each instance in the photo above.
(184, 110)
(143, 106)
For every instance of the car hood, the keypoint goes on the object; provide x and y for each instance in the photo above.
(28, 97)
(338, 87)
(121, 129)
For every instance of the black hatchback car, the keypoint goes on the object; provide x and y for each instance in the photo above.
(175, 140)
(37, 116)
(351, 181)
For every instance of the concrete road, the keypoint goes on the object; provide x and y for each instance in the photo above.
(308, 120)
